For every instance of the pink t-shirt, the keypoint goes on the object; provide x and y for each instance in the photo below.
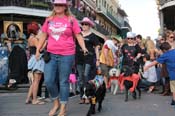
(60, 34)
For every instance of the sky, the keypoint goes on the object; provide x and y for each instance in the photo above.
(143, 16)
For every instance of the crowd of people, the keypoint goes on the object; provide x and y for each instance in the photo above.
(60, 47)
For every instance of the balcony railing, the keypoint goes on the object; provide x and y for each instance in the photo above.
(38, 4)
(91, 3)
(101, 29)
(162, 2)
(80, 15)
(41, 4)
(113, 18)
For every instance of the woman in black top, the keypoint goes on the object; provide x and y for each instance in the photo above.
(131, 52)
(85, 62)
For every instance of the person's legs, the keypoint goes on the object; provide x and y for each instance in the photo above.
(144, 84)
(105, 70)
(29, 95)
(37, 78)
(81, 82)
(51, 81)
(173, 101)
(151, 88)
(162, 81)
(87, 71)
(65, 64)
(167, 87)
(172, 87)
(40, 87)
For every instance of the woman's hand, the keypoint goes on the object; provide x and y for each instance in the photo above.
(37, 55)
(85, 51)
(97, 62)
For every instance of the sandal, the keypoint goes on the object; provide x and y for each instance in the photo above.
(38, 102)
(61, 115)
(82, 101)
(28, 102)
(87, 101)
(53, 112)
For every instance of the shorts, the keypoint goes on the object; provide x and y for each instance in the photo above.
(105, 69)
(172, 86)
(36, 66)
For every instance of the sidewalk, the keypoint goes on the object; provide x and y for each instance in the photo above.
(12, 104)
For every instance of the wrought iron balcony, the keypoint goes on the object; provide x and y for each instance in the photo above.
(38, 4)
(101, 29)
(162, 2)
(44, 5)
(80, 15)
(113, 19)
(91, 3)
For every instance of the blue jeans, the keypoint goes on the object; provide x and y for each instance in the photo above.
(56, 74)
(84, 71)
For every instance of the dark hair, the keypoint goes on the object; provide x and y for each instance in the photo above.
(147, 56)
(139, 36)
(33, 27)
(165, 46)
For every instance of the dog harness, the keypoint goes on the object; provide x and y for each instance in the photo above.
(97, 81)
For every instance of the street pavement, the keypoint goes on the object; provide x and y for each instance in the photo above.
(13, 104)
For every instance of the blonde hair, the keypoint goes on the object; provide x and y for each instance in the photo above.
(142, 44)
(151, 48)
(168, 33)
(67, 12)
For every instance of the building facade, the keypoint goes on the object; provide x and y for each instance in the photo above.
(111, 16)
(166, 13)
(106, 14)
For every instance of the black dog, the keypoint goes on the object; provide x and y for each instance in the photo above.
(95, 94)
(128, 83)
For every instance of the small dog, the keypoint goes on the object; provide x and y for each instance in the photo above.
(95, 91)
(114, 82)
(131, 82)
(73, 82)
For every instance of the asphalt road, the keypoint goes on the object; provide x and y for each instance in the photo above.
(13, 104)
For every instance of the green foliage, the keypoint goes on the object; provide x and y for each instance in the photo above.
(39, 4)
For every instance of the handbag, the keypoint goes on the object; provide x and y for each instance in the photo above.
(46, 56)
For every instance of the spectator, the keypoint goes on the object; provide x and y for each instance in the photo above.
(150, 76)
(168, 58)
(36, 67)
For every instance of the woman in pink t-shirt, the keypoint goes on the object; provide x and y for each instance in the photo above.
(59, 29)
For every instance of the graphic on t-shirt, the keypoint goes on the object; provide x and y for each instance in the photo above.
(57, 29)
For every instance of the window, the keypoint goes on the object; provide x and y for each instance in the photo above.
(107, 7)
(105, 4)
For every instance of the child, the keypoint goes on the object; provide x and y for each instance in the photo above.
(150, 76)
(168, 57)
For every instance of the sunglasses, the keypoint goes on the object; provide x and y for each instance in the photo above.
(84, 24)
(131, 38)
(61, 5)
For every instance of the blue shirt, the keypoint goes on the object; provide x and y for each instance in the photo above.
(169, 59)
